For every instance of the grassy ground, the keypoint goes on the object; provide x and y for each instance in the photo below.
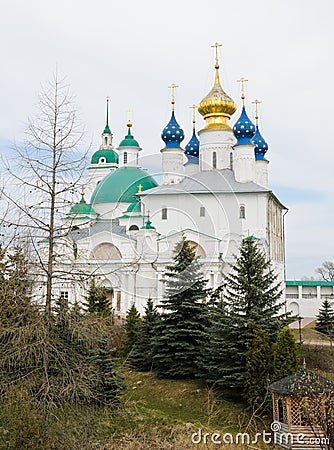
(309, 334)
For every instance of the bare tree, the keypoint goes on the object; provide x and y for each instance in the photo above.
(45, 174)
(326, 271)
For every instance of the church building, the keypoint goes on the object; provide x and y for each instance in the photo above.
(214, 191)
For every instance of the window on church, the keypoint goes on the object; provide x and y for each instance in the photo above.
(125, 157)
(133, 228)
(214, 160)
(242, 212)
(102, 160)
(202, 211)
(64, 296)
(106, 141)
(164, 214)
(231, 161)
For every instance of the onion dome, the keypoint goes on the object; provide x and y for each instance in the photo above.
(129, 140)
(244, 129)
(82, 209)
(192, 148)
(217, 107)
(172, 134)
(134, 207)
(121, 185)
(261, 146)
(104, 156)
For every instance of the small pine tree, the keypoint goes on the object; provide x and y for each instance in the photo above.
(325, 319)
(97, 300)
(251, 297)
(142, 352)
(258, 371)
(180, 334)
(285, 355)
(132, 330)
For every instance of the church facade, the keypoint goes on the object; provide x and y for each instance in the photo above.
(214, 192)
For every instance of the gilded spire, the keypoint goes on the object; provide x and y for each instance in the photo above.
(172, 87)
(129, 123)
(256, 102)
(243, 86)
(216, 45)
(217, 107)
(194, 107)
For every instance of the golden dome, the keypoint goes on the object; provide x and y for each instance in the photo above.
(217, 107)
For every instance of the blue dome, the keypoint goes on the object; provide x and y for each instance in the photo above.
(172, 134)
(192, 148)
(261, 146)
(244, 129)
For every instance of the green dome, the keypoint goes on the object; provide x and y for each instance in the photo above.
(121, 185)
(129, 141)
(82, 208)
(134, 207)
(110, 156)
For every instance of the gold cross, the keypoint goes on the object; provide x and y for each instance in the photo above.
(129, 124)
(217, 45)
(243, 85)
(172, 87)
(194, 107)
(83, 190)
(256, 102)
(140, 187)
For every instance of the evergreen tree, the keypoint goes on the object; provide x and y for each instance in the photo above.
(285, 355)
(97, 300)
(258, 371)
(180, 334)
(325, 319)
(132, 329)
(142, 352)
(251, 297)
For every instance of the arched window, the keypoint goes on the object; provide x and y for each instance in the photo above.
(164, 213)
(133, 228)
(214, 160)
(106, 140)
(242, 212)
(231, 161)
(202, 211)
(106, 251)
(102, 160)
(125, 157)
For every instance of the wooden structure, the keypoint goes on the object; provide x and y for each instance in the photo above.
(300, 410)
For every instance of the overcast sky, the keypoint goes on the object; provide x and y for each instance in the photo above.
(132, 50)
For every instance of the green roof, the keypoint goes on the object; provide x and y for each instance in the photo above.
(110, 156)
(134, 207)
(121, 185)
(148, 225)
(82, 208)
(129, 141)
(309, 283)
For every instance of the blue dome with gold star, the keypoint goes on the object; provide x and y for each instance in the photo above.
(244, 129)
(192, 148)
(261, 146)
(172, 134)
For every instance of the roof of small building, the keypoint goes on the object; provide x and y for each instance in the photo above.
(302, 382)
(309, 283)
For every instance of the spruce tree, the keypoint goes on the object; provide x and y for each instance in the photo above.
(132, 329)
(325, 319)
(142, 352)
(251, 297)
(285, 355)
(180, 334)
(258, 371)
(97, 300)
